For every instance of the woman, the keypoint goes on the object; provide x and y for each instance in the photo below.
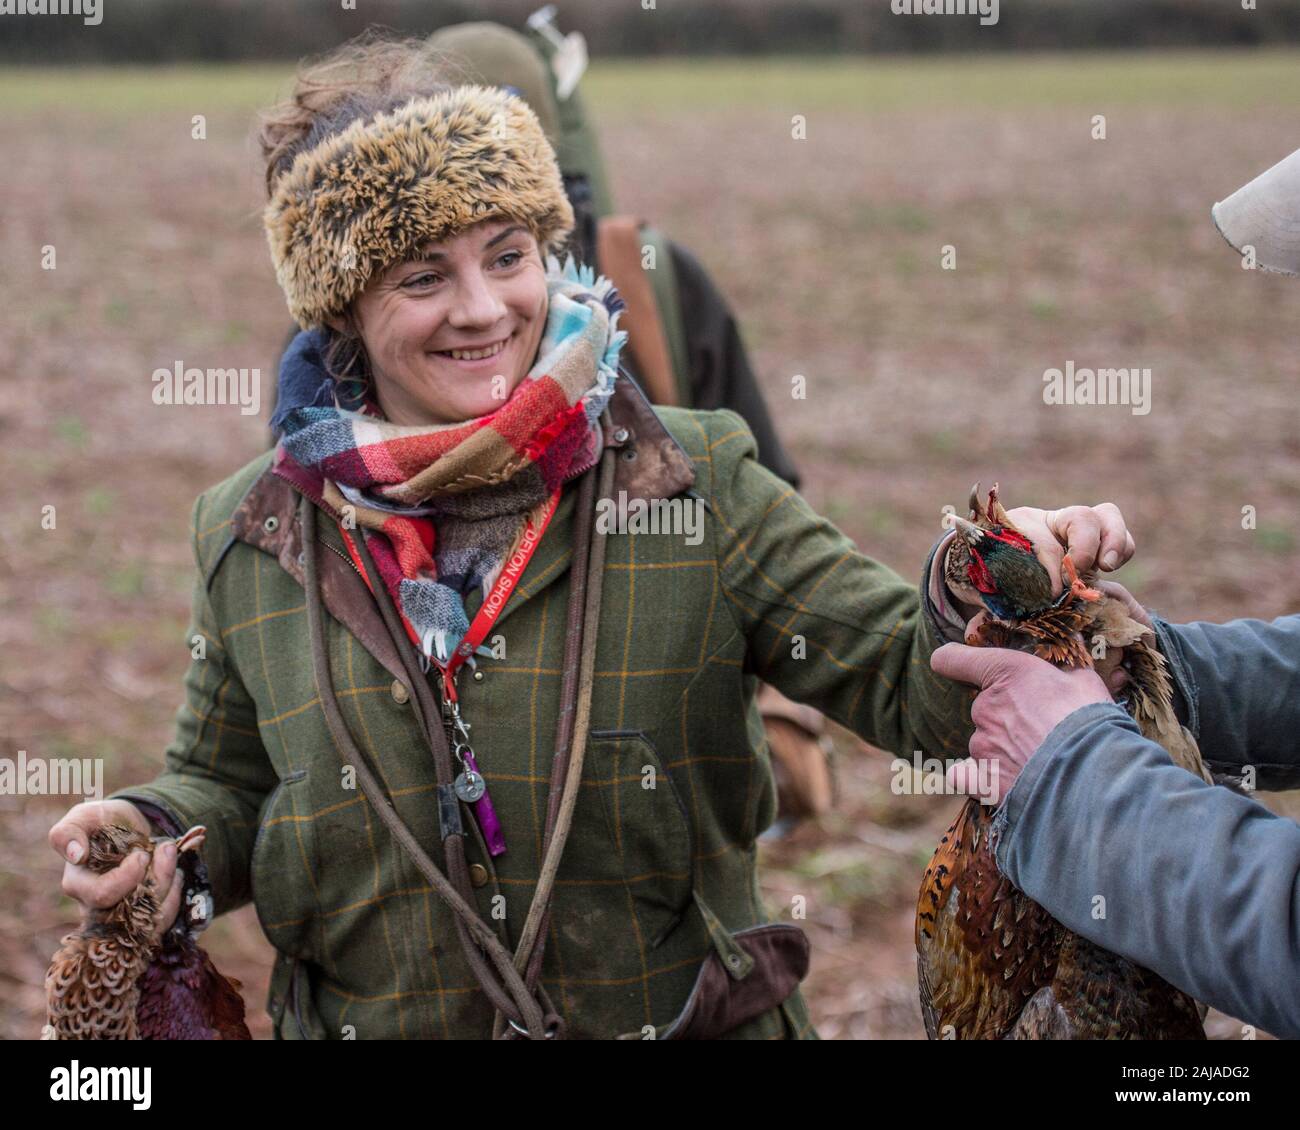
(517, 790)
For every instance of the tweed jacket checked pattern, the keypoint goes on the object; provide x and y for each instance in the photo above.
(653, 878)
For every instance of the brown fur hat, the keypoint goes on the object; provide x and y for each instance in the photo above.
(368, 196)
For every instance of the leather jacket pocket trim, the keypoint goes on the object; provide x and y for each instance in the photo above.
(718, 1003)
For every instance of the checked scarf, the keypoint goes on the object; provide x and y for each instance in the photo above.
(479, 480)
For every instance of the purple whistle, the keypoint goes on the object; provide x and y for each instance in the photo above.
(484, 813)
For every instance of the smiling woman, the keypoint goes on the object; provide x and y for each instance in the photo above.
(396, 283)
(453, 331)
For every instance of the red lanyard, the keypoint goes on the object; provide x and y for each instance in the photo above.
(470, 785)
(491, 607)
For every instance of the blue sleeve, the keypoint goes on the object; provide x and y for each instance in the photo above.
(1200, 885)
(1241, 685)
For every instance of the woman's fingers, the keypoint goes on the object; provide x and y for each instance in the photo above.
(1094, 536)
(171, 879)
(102, 891)
(164, 865)
(70, 837)
(1080, 529)
(1116, 542)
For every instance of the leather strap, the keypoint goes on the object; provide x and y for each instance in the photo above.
(519, 1001)
(586, 581)
(618, 249)
(516, 996)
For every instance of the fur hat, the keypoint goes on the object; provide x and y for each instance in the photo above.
(368, 196)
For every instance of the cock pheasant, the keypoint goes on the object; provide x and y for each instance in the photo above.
(112, 979)
(991, 963)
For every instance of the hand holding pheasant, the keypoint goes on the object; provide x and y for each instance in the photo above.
(991, 963)
(119, 977)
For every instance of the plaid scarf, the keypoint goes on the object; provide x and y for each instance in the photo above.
(479, 480)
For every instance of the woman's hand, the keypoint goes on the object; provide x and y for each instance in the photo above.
(70, 840)
(1095, 537)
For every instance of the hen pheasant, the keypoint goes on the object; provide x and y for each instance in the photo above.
(113, 979)
(992, 963)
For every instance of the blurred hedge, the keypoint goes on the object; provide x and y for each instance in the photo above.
(213, 30)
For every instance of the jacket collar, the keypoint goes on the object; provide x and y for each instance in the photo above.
(650, 465)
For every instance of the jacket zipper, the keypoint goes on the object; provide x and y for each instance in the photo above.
(352, 564)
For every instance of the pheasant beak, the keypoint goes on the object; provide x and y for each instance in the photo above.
(971, 532)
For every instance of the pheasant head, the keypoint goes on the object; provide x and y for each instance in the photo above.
(998, 561)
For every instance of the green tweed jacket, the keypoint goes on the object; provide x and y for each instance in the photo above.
(659, 871)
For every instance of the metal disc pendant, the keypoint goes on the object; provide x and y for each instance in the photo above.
(470, 786)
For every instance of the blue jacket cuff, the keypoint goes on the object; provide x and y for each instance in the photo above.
(1021, 793)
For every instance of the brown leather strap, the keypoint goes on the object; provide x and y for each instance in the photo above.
(429, 715)
(587, 576)
(618, 249)
(519, 1000)
(514, 998)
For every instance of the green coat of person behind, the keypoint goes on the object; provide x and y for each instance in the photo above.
(660, 868)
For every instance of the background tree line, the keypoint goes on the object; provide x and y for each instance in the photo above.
(141, 31)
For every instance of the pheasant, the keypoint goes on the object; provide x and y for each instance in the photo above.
(112, 979)
(991, 963)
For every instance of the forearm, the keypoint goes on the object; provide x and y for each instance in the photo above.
(216, 770)
(1241, 684)
(1194, 882)
(854, 640)
(824, 623)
